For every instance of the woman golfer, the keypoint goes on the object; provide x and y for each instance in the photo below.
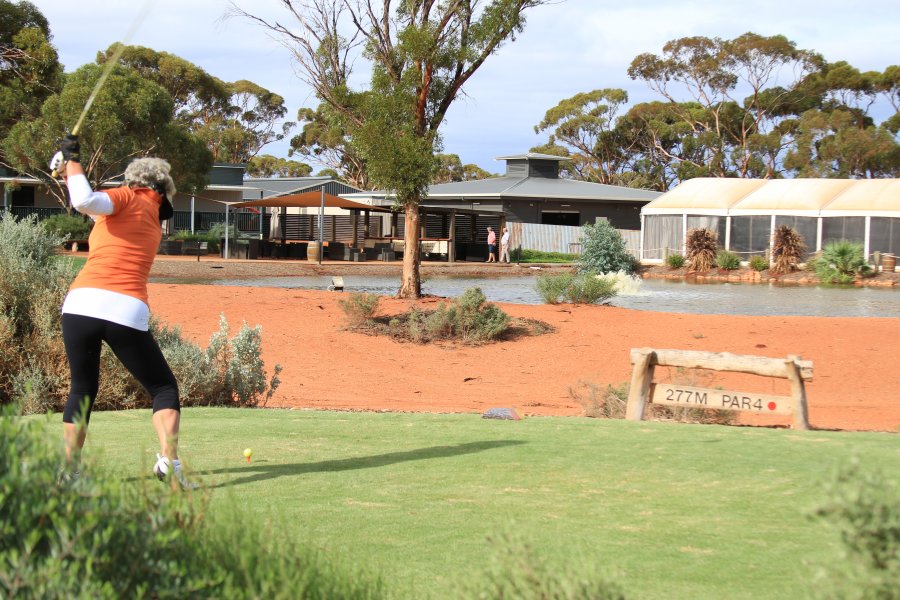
(107, 302)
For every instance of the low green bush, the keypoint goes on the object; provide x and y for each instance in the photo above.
(863, 507)
(728, 260)
(675, 261)
(72, 227)
(552, 286)
(99, 536)
(759, 263)
(841, 262)
(469, 319)
(580, 288)
(359, 308)
(211, 240)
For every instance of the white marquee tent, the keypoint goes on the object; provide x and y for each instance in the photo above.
(745, 212)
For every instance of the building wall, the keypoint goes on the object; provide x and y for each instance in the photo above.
(621, 215)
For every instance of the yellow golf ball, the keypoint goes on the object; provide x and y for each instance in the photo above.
(248, 452)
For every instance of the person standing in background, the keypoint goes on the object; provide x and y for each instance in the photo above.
(504, 245)
(492, 245)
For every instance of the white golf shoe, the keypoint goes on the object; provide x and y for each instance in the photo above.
(162, 469)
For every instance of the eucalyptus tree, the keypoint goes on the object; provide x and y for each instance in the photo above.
(420, 54)
(325, 139)
(735, 91)
(29, 66)
(450, 168)
(236, 120)
(130, 117)
(584, 129)
(266, 165)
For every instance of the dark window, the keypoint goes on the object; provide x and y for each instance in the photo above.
(24, 196)
(561, 218)
(852, 229)
(884, 235)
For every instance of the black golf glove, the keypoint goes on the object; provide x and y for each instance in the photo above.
(70, 148)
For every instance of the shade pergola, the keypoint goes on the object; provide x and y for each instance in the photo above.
(321, 199)
(313, 199)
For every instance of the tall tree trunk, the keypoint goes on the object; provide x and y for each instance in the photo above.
(411, 283)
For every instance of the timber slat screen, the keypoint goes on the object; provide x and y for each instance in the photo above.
(335, 228)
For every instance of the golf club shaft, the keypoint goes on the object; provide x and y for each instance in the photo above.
(110, 64)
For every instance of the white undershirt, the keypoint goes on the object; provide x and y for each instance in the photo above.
(109, 306)
(94, 302)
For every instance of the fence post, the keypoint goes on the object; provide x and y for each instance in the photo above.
(639, 391)
(798, 392)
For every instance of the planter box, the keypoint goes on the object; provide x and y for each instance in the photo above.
(171, 247)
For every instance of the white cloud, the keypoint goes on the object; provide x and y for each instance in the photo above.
(567, 47)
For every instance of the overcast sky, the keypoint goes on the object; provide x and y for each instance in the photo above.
(567, 47)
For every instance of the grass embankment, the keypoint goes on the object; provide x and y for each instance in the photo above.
(668, 510)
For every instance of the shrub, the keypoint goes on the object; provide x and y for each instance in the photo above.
(99, 536)
(552, 286)
(864, 508)
(702, 246)
(359, 308)
(788, 249)
(841, 262)
(728, 260)
(675, 261)
(759, 263)
(211, 239)
(589, 288)
(581, 288)
(608, 403)
(476, 319)
(33, 283)
(71, 227)
(469, 318)
(603, 250)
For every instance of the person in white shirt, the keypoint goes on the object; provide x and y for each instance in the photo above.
(504, 245)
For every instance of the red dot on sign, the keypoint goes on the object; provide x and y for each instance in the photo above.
(772, 405)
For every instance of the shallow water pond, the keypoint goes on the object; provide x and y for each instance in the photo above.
(654, 294)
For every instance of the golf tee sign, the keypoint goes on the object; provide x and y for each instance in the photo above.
(643, 390)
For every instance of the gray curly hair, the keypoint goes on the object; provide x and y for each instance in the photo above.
(150, 172)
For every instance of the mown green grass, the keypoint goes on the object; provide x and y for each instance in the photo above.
(668, 510)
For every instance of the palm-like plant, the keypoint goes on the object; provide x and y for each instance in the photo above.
(702, 246)
(841, 262)
(788, 249)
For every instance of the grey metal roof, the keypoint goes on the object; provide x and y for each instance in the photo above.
(539, 187)
(531, 155)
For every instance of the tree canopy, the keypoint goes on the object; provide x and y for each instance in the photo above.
(752, 106)
(29, 66)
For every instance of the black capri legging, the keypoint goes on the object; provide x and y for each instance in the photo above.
(137, 350)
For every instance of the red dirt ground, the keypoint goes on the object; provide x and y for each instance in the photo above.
(328, 367)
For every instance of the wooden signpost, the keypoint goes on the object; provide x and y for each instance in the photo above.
(643, 390)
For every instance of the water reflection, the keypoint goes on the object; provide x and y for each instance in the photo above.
(656, 294)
